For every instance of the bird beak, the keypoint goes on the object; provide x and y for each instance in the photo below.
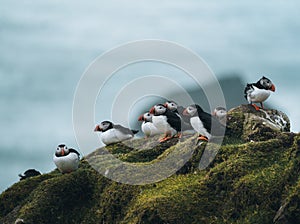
(141, 118)
(62, 152)
(273, 88)
(166, 105)
(97, 128)
(152, 110)
(214, 113)
(185, 113)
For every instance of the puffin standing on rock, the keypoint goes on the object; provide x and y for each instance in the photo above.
(186, 126)
(166, 121)
(113, 133)
(66, 159)
(147, 126)
(258, 92)
(203, 122)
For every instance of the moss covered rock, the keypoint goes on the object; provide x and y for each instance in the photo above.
(253, 178)
(251, 125)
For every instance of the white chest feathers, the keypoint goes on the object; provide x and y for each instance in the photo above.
(67, 163)
(113, 136)
(161, 123)
(199, 127)
(149, 129)
(258, 95)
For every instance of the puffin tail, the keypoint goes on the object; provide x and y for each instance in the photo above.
(134, 131)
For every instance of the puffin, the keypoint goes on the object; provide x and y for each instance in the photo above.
(258, 92)
(147, 126)
(66, 159)
(173, 106)
(221, 114)
(202, 123)
(29, 173)
(113, 133)
(166, 121)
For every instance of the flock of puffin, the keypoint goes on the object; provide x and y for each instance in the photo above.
(168, 119)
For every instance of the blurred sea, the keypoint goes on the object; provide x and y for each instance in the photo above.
(46, 46)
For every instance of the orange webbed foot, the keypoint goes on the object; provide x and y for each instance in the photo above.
(165, 139)
(202, 138)
(257, 108)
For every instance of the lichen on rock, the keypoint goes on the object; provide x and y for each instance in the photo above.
(252, 125)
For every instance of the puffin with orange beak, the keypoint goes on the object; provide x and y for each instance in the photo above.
(204, 123)
(147, 126)
(113, 133)
(259, 92)
(166, 121)
(66, 159)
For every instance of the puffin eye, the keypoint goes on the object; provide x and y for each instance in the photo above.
(57, 149)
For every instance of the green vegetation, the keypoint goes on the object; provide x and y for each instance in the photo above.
(254, 178)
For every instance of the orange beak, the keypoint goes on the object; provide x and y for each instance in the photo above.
(273, 88)
(152, 110)
(185, 113)
(166, 105)
(97, 128)
(141, 118)
(62, 152)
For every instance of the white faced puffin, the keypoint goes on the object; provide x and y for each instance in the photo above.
(113, 133)
(258, 92)
(148, 128)
(172, 106)
(166, 121)
(202, 123)
(66, 159)
(221, 114)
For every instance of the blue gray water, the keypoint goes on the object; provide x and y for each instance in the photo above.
(46, 46)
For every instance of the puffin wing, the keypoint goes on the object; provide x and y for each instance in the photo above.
(174, 120)
(248, 90)
(208, 121)
(124, 130)
(74, 151)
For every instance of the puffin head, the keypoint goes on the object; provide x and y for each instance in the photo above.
(62, 150)
(220, 112)
(104, 126)
(158, 109)
(267, 84)
(146, 117)
(171, 105)
(192, 110)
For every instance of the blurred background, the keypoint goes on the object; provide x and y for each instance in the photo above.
(45, 46)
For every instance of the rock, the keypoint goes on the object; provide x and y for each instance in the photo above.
(251, 125)
(247, 182)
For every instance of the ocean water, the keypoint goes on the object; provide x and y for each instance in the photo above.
(47, 45)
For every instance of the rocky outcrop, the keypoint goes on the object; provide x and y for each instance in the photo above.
(251, 125)
(253, 178)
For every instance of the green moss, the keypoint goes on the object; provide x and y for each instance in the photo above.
(247, 182)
